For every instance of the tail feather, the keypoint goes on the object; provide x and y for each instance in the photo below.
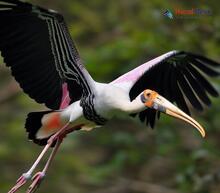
(40, 126)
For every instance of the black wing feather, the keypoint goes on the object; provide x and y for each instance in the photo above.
(204, 68)
(196, 86)
(187, 90)
(206, 85)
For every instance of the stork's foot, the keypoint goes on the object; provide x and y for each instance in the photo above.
(20, 182)
(37, 179)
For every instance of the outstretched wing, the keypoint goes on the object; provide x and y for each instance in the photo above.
(36, 44)
(176, 75)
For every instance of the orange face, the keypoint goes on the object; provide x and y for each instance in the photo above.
(149, 96)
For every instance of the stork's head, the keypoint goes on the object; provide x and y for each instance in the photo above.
(153, 100)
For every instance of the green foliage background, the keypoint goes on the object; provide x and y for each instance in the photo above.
(124, 156)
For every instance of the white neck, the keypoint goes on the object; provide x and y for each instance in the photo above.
(134, 106)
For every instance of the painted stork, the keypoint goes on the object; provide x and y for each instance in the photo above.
(36, 45)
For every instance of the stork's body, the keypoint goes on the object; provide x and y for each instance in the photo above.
(36, 45)
(109, 101)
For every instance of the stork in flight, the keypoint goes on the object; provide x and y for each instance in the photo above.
(36, 45)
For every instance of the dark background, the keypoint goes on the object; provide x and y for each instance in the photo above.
(123, 156)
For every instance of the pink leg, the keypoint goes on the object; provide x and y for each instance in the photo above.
(39, 176)
(26, 176)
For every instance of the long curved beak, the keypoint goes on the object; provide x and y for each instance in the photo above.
(163, 105)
